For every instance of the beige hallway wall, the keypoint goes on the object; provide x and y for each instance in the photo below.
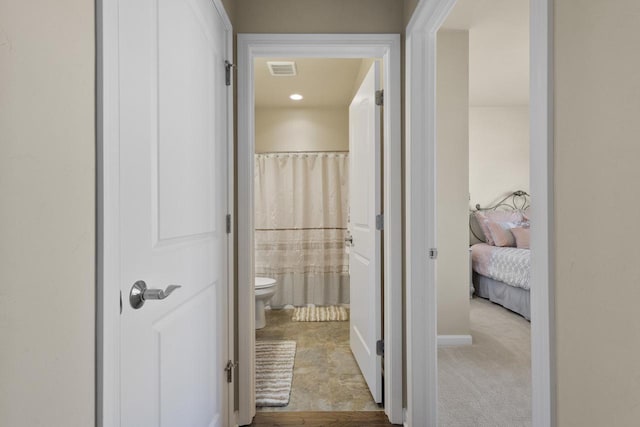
(597, 101)
(319, 16)
(47, 191)
(452, 151)
(229, 7)
(409, 8)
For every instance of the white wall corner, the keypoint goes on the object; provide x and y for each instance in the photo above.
(454, 340)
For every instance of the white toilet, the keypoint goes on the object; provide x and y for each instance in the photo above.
(265, 288)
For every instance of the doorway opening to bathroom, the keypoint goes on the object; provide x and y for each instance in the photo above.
(310, 223)
(317, 254)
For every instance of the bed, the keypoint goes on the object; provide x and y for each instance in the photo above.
(500, 254)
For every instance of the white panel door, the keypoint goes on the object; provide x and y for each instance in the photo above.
(365, 254)
(173, 187)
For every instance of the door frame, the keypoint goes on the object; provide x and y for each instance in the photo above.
(420, 108)
(387, 47)
(107, 308)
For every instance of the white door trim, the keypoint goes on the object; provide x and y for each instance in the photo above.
(420, 114)
(108, 210)
(386, 46)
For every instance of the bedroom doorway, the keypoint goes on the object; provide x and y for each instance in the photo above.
(482, 214)
(381, 47)
(427, 112)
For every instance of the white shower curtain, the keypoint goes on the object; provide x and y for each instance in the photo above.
(301, 210)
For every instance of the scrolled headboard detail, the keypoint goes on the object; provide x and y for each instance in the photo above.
(519, 200)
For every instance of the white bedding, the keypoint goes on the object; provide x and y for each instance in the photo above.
(508, 265)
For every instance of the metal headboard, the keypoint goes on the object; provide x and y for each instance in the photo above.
(517, 201)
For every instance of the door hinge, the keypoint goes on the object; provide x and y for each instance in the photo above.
(228, 223)
(120, 302)
(380, 222)
(229, 370)
(227, 72)
(433, 253)
(380, 347)
(380, 97)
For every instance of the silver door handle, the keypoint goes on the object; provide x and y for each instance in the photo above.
(140, 293)
(348, 241)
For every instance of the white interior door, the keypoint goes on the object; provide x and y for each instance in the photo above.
(365, 255)
(173, 189)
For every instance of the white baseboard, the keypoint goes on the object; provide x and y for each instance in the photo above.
(454, 340)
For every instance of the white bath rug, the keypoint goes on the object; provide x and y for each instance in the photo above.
(274, 372)
(330, 313)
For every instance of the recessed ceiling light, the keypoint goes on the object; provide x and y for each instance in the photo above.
(296, 97)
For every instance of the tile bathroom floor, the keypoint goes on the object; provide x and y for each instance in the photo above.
(326, 376)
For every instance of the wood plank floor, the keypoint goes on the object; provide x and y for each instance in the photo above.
(318, 419)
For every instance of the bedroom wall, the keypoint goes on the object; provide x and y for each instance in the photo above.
(302, 129)
(453, 181)
(47, 188)
(498, 152)
(597, 279)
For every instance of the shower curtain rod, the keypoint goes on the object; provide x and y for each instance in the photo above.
(300, 229)
(303, 152)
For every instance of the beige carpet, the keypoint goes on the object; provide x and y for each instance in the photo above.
(487, 384)
(274, 372)
(330, 313)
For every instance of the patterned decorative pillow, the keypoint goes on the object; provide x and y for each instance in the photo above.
(522, 236)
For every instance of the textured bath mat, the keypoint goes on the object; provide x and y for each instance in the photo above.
(330, 313)
(274, 372)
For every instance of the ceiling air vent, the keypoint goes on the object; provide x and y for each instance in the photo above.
(282, 68)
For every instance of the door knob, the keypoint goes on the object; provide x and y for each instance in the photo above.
(348, 241)
(140, 293)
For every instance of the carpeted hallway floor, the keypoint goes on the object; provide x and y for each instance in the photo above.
(487, 384)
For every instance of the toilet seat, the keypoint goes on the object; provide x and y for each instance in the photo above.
(264, 282)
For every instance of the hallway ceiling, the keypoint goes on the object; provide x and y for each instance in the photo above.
(498, 49)
(324, 82)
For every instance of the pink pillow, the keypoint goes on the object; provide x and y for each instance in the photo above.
(507, 219)
(483, 223)
(501, 234)
(522, 236)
